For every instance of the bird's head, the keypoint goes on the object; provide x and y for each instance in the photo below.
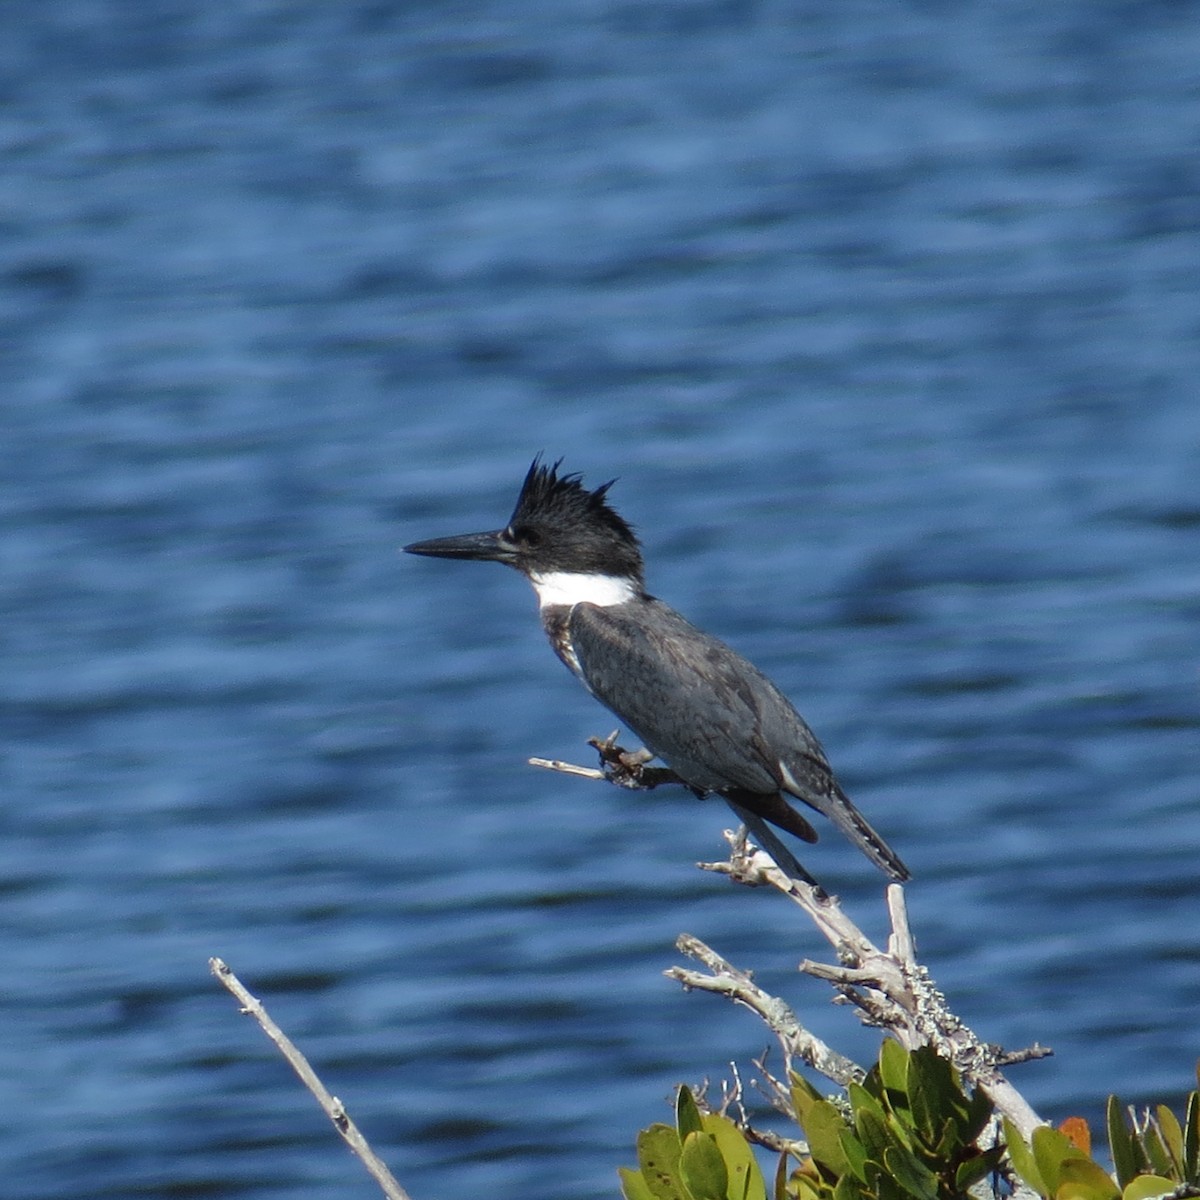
(558, 528)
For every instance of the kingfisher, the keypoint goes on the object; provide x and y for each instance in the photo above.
(715, 719)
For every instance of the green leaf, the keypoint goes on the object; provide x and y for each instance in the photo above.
(805, 1189)
(893, 1066)
(1121, 1143)
(702, 1168)
(805, 1186)
(633, 1185)
(1022, 1159)
(779, 1192)
(847, 1189)
(856, 1155)
(1172, 1136)
(804, 1096)
(861, 1102)
(803, 1092)
(746, 1180)
(658, 1157)
(913, 1176)
(823, 1127)
(873, 1085)
(1082, 1179)
(1156, 1152)
(933, 1093)
(978, 1167)
(1052, 1149)
(949, 1145)
(1145, 1187)
(687, 1115)
(1191, 1140)
(883, 1186)
(876, 1135)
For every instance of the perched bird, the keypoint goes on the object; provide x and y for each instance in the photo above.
(717, 721)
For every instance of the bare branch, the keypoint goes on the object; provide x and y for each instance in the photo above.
(1006, 1058)
(332, 1106)
(889, 987)
(796, 1041)
(556, 764)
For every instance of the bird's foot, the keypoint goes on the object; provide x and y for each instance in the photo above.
(627, 768)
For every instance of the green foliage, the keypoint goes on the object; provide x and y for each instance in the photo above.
(704, 1157)
(909, 1132)
(909, 1135)
(1152, 1155)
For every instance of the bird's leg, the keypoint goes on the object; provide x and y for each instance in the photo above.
(622, 767)
(627, 768)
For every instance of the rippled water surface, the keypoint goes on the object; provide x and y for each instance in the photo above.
(886, 318)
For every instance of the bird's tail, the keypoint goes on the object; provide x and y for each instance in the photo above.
(823, 794)
(855, 826)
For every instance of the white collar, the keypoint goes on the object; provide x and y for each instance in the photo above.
(574, 587)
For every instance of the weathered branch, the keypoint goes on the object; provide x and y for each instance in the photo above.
(889, 987)
(332, 1106)
(797, 1042)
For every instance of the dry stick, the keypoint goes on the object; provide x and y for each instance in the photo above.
(331, 1104)
(796, 1041)
(566, 768)
(890, 988)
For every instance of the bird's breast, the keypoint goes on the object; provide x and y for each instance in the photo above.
(556, 621)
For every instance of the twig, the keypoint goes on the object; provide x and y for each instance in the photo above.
(732, 1097)
(332, 1106)
(796, 1041)
(556, 764)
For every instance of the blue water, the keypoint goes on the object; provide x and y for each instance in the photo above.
(885, 315)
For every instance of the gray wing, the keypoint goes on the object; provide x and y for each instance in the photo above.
(689, 697)
(741, 735)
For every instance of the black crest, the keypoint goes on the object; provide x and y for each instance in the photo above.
(556, 510)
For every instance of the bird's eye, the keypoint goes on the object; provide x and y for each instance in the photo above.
(525, 535)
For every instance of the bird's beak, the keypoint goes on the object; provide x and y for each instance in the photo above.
(483, 547)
